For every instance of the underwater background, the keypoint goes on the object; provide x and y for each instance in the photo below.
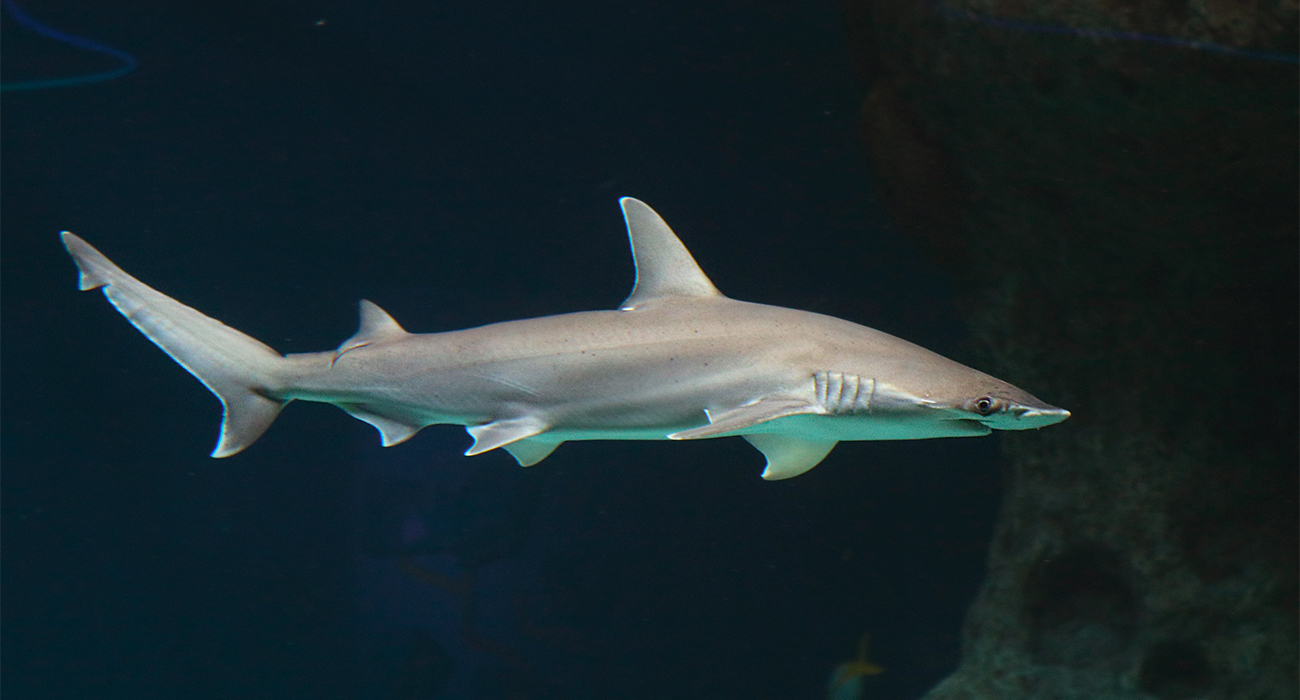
(1104, 218)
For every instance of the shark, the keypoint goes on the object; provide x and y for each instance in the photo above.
(677, 360)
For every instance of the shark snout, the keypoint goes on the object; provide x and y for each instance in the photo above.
(1027, 417)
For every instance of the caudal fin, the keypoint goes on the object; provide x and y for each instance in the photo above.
(231, 365)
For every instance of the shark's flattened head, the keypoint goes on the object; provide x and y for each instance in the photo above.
(1010, 409)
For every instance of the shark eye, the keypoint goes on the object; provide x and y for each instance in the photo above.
(985, 406)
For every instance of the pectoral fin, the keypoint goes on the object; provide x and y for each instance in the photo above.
(789, 456)
(500, 433)
(741, 417)
(530, 451)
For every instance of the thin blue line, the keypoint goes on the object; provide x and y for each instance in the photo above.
(1117, 35)
(24, 19)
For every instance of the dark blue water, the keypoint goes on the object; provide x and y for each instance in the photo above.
(459, 164)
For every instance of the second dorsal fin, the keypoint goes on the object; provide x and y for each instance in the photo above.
(664, 268)
(376, 326)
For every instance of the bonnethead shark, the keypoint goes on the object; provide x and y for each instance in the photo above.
(677, 361)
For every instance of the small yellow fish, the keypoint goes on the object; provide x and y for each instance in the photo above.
(846, 680)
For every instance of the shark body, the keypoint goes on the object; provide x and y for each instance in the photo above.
(677, 361)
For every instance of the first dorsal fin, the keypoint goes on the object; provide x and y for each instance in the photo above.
(664, 268)
(376, 325)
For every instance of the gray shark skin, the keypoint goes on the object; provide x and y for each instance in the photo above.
(677, 361)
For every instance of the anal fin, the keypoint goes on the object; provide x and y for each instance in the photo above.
(391, 431)
(741, 417)
(789, 456)
(500, 433)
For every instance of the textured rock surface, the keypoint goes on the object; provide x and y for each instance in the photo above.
(1121, 216)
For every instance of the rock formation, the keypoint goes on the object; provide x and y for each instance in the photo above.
(1113, 184)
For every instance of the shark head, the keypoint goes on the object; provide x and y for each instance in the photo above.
(1006, 408)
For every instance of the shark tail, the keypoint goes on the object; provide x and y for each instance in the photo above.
(232, 365)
